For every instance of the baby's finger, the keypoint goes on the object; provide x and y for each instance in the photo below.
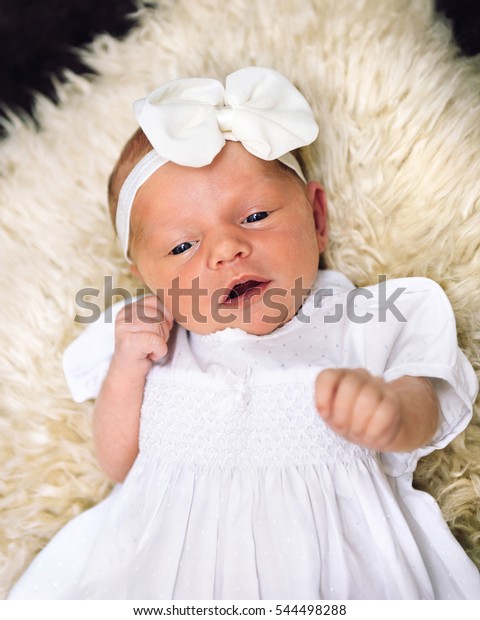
(145, 345)
(164, 329)
(148, 310)
(366, 404)
(154, 310)
(326, 385)
(346, 396)
(383, 425)
(144, 314)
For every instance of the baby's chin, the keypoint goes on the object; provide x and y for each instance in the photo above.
(251, 315)
(260, 327)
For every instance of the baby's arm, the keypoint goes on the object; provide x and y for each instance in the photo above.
(141, 333)
(397, 416)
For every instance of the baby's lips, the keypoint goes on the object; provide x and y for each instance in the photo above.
(224, 298)
(241, 287)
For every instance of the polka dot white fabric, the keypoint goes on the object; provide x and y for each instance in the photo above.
(240, 491)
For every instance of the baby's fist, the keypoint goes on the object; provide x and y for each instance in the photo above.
(142, 330)
(358, 406)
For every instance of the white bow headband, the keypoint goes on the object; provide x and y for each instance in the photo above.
(187, 122)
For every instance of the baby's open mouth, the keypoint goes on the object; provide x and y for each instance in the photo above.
(243, 290)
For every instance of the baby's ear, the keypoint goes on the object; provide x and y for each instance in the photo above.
(318, 200)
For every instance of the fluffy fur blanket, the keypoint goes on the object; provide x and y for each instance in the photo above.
(399, 113)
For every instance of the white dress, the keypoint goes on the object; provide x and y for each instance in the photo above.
(240, 491)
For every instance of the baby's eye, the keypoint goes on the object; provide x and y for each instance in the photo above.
(255, 217)
(182, 247)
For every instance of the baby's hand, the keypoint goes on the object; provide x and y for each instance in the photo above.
(142, 330)
(360, 407)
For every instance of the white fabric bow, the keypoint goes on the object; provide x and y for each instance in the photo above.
(187, 122)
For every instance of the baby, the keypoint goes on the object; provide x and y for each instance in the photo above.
(263, 417)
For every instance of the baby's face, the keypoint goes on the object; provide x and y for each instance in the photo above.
(232, 244)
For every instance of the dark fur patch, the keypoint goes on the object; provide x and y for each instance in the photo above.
(464, 16)
(38, 37)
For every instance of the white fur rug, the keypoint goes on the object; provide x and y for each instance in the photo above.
(398, 153)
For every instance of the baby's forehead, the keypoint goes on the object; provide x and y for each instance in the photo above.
(236, 183)
(261, 177)
(234, 173)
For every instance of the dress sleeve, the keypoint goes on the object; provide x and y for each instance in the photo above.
(87, 358)
(413, 332)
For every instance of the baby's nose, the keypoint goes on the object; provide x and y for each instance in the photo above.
(227, 246)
